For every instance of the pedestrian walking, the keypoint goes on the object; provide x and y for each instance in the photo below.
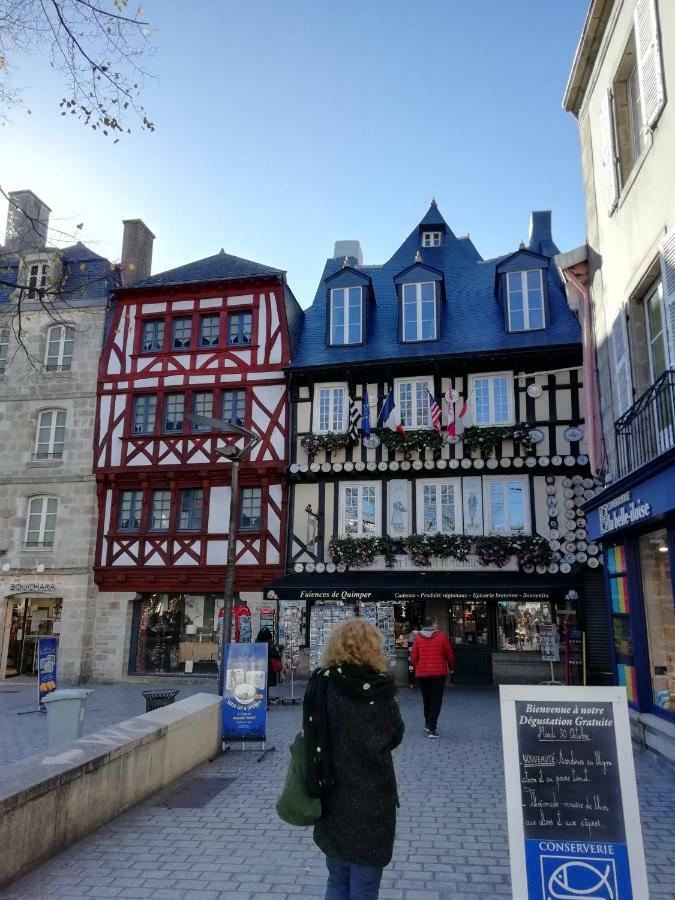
(432, 658)
(274, 663)
(351, 723)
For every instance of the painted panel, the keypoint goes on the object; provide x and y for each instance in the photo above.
(201, 379)
(103, 426)
(116, 436)
(262, 329)
(219, 510)
(153, 308)
(216, 552)
(265, 376)
(271, 554)
(627, 678)
(398, 514)
(155, 560)
(173, 380)
(243, 300)
(230, 378)
(146, 382)
(273, 521)
(182, 304)
(473, 505)
(247, 558)
(211, 303)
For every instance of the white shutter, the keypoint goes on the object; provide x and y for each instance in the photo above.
(667, 249)
(650, 73)
(609, 153)
(622, 378)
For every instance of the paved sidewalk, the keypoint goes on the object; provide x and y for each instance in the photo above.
(451, 837)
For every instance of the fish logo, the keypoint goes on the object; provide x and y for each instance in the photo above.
(578, 879)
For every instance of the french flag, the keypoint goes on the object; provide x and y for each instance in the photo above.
(389, 417)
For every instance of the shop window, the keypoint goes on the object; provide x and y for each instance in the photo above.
(209, 334)
(176, 633)
(161, 511)
(412, 399)
(145, 413)
(251, 509)
(174, 409)
(506, 505)
(469, 623)
(153, 336)
(191, 506)
(239, 328)
(330, 408)
(657, 589)
(439, 506)
(131, 504)
(202, 405)
(360, 509)
(615, 558)
(519, 623)
(41, 523)
(491, 399)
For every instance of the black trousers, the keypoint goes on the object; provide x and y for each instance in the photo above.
(432, 697)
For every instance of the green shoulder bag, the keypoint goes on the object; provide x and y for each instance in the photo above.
(294, 805)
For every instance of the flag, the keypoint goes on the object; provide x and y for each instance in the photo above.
(435, 411)
(365, 417)
(389, 417)
(452, 429)
(354, 416)
(464, 418)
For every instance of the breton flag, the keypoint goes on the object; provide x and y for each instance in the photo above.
(389, 417)
(365, 417)
(435, 411)
(464, 418)
(354, 416)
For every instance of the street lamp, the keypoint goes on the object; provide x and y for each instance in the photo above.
(233, 454)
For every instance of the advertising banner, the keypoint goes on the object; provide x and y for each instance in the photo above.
(46, 667)
(550, 647)
(573, 815)
(245, 700)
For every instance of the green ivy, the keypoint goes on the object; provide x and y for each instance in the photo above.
(331, 440)
(421, 547)
(362, 551)
(486, 438)
(417, 439)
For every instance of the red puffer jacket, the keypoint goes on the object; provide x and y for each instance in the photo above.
(432, 655)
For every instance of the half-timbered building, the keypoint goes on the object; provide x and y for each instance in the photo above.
(210, 338)
(471, 510)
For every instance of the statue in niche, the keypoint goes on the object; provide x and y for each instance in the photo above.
(398, 516)
(312, 527)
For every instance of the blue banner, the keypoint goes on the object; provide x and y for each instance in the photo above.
(46, 666)
(245, 699)
(577, 869)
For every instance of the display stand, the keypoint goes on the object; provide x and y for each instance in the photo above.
(382, 616)
(550, 650)
(325, 616)
(289, 628)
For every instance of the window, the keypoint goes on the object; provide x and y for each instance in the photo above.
(251, 509)
(202, 405)
(4, 348)
(191, 505)
(51, 431)
(360, 509)
(37, 280)
(153, 336)
(41, 523)
(628, 120)
(657, 588)
(174, 408)
(60, 342)
(209, 333)
(419, 311)
(656, 332)
(519, 624)
(345, 316)
(330, 408)
(144, 415)
(439, 507)
(412, 399)
(240, 328)
(161, 511)
(492, 399)
(525, 300)
(506, 505)
(182, 334)
(431, 238)
(234, 407)
(131, 504)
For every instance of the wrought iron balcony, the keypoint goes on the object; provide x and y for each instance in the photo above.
(648, 428)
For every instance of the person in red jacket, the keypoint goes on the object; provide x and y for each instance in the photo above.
(432, 657)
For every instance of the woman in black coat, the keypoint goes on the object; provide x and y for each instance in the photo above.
(352, 722)
(265, 637)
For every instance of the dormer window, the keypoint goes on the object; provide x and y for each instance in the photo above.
(419, 311)
(39, 273)
(37, 280)
(525, 300)
(346, 316)
(432, 238)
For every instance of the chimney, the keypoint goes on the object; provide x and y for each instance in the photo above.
(27, 222)
(348, 248)
(541, 239)
(137, 243)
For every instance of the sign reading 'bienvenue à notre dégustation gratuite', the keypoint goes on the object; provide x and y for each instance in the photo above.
(573, 816)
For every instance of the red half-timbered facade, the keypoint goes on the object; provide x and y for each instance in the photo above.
(210, 338)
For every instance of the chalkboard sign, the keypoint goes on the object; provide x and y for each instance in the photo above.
(572, 803)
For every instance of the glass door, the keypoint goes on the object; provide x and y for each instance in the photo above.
(470, 637)
(17, 630)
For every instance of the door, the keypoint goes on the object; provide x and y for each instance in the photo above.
(470, 638)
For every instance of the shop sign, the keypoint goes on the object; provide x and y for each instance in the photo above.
(245, 697)
(403, 562)
(621, 512)
(35, 587)
(46, 667)
(572, 806)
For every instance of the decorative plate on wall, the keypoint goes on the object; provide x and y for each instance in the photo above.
(574, 433)
(536, 436)
(534, 391)
(372, 442)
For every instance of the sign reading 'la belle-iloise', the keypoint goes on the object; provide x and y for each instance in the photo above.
(573, 816)
(622, 511)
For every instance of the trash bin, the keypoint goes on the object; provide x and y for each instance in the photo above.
(158, 699)
(65, 715)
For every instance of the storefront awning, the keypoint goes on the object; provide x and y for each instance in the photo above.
(384, 586)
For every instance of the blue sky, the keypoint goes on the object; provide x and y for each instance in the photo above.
(284, 125)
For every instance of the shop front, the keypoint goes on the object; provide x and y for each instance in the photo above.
(636, 524)
(494, 623)
(31, 611)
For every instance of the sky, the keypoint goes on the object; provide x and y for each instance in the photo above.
(285, 125)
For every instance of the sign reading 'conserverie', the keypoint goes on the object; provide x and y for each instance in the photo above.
(574, 826)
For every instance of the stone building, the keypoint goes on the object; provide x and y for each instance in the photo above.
(621, 90)
(53, 305)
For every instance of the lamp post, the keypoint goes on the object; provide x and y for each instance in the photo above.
(234, 454)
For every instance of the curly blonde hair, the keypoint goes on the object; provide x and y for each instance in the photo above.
(357, 642)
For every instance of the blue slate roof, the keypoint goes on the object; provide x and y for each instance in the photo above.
(471, 316)
(221, 267)
(88, 277)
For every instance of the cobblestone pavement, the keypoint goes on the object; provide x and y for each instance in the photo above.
(451, 838)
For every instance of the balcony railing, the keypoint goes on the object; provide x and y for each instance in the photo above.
(648, 428)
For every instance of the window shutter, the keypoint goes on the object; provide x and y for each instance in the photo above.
(622, 377)
(668, 281)
(609, 160)
(650, 73)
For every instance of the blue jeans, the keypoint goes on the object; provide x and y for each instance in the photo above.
(348, 881)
